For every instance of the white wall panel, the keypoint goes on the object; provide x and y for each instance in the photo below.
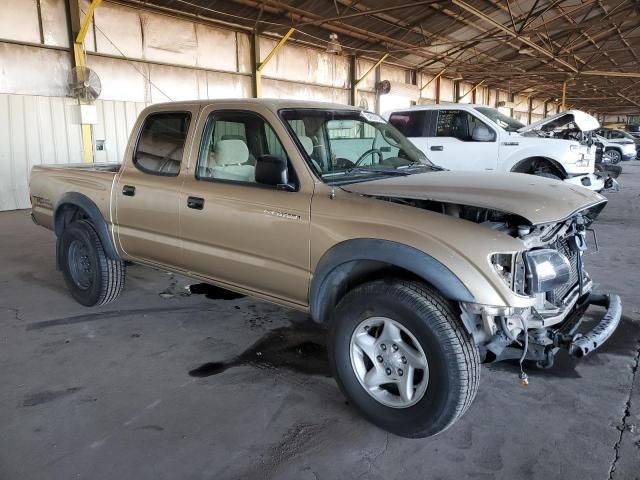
(362, 67)
(428, 93)
(54, 22)
(33, 71)
(19, 20)
(307, 65)
(393, 74)
(119, 26)
(244, 53)
(216, 48)
(115, 123)
(224, 85)
(33, 130)
(297, 91)
(169, 40)
(120, 79)
(446, 90)
(178, 83)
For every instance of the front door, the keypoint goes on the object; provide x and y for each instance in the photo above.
(454, 147)
(236, 231)
(147, 194)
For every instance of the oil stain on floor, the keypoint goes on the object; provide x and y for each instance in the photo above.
(301, 348)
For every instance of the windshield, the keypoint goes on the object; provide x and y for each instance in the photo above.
(622, 134)
(502, 120)
(343, 144)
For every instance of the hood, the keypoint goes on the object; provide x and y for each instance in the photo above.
(540, 200)
(583, 121)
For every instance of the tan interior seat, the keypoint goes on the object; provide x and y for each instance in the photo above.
(229, 161)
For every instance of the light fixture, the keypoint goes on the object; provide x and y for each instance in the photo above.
(526, 51)
(456, 79)
(334, 45)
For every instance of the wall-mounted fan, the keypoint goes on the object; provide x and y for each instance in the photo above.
(84, 84)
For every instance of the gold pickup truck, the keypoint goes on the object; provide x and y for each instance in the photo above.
(419, 273)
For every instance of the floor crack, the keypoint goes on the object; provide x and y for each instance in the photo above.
(627, 413)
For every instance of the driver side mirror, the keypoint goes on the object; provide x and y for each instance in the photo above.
(482, 134)
(273, 170)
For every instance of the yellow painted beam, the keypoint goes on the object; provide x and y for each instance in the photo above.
(87, 21)
(564, 96)
(79, 57)
(376, 65)
(432, 80)
(472, 90)
(261, 65)
(282, 41)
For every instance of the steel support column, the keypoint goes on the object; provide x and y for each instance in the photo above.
(79, 28)
(353, 75)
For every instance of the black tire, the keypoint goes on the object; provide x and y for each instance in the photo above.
(452, 356)
(614, 155)
(91, 276)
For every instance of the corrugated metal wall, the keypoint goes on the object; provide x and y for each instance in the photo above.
(115, 122)
(38, 130)
(33, 130)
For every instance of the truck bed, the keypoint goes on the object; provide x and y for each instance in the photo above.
(49, 183)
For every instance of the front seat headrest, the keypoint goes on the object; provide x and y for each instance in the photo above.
(231, 152)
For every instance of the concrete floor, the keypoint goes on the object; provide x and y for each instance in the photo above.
(107, 393)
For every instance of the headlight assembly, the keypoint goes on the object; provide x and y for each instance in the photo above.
(546, 270)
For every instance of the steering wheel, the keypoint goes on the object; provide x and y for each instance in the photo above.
(367, 153)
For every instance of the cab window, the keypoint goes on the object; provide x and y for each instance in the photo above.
(410, 124)
(458, 124)
(160, 146)
(232, 143)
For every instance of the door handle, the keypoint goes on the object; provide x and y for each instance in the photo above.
(196, 203)
(437, 148)
(129, 190)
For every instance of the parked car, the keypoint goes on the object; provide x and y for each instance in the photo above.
(418, 273)
(480, 138)
(620, 145)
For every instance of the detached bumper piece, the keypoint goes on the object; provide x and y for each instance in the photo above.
(583, 344)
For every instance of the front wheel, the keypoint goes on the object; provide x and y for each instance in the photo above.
(613, 156)
(91, 276)
(402, 357)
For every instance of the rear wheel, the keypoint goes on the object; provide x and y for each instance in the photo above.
(402, 357)
(91, 276)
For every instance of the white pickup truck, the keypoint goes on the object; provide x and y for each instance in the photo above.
(476, 137)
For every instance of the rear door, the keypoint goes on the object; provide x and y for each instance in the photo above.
(451, 144)
(236, 231)
(147, 192)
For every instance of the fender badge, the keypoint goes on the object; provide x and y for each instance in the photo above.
(285, 215)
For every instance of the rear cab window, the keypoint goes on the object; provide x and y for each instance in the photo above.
(160, 146)
(410, 123)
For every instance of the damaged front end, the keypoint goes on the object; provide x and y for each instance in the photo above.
(551, 271)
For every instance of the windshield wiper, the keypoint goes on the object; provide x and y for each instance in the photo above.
(387, 171)
(436, 168)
